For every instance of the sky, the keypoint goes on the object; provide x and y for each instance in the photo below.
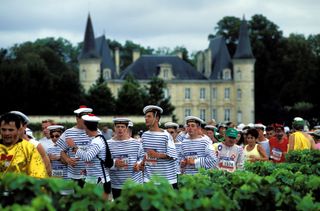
(150, 23)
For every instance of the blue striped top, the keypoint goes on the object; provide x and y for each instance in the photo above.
(93, 165)
(202, 150)
(161, 142)
(58, 169)
(82, 140)
(132, 152)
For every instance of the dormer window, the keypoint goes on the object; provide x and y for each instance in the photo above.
(226, 74)
(106, 74)
(165, 71)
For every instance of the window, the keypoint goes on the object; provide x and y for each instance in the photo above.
(202, 93)
(239, 117)
(239, 74)
(214, 93)
(83, 74)
(106, 74)
(227, 93)
(203, 114)
(166, 93)
(226, 74)
(227, 114)
(165, 73)
(239, 93)
(187, 93)
(187, 112)
(214, 114)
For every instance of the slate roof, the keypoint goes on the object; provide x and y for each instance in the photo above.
(147, 66)
(103, 50)
(220, 57)
(89, 48)
(243, 50)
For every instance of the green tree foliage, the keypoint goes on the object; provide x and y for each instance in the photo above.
(228, 27)
(36, 76)
(130, 98)
(101, 99)
(156, 96)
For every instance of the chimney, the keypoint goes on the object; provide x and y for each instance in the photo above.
(117, 60)
(135, 55)
(179, 54)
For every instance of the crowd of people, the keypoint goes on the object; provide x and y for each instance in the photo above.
(109, 157)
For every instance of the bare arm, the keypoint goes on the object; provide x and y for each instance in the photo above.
(45, 158)
(263, 153)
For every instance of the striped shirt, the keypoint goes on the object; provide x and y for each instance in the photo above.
(201, 150)
(58, 169)
(81, 139)
(93, 165)
(230, 158)
(178, 148)
(132, 152)
(161, 142)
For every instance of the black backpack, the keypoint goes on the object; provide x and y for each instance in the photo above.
(108, 162)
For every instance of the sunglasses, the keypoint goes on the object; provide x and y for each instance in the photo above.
(54, 136)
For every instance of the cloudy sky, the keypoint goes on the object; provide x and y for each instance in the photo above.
(154, 23)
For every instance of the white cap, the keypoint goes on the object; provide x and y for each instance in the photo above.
(55, 127)
(29, 133)
(121, 120)
(171, 125)
(286, 129)
(240, 126)
(211, 127)
(26, 120)
(82, 109)
(90, 118)
(130, 124)
(193, 119)
(152, 107)
(259, 125)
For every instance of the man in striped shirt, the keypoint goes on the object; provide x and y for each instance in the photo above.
(126, 153)
(76, 167)
(97, 151)
(196, 150)
(159, 148)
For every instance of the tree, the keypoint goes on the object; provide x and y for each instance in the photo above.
(156, 96)
(100, 98)
(130, 98)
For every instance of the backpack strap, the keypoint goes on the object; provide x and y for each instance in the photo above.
(108, 161)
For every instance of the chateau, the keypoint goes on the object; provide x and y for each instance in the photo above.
(221, 87)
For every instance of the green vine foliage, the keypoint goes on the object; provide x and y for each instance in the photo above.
(263, 185)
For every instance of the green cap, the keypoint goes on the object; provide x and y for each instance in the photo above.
(298, 121)
(232, 133)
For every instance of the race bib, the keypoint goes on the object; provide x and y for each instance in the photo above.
(276, 154)
(125, 161)
(193, 156)
(57, 173)
(150, 161)
(227, 165)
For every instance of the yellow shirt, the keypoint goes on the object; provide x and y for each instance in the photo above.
(22, 157)
(253, 152)
(301, 141)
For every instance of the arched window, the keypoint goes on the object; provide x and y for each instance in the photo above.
(226, 74)
(239, 117)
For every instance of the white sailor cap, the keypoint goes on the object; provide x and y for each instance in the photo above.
(193, 119)
(24, 117)
(121, 120)
(55, 127)
(83, 109)
(90, 118)
(151, 108)
(130, 124)
(260, 126)
(211, 127)
(171, 125)
(29, 133)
